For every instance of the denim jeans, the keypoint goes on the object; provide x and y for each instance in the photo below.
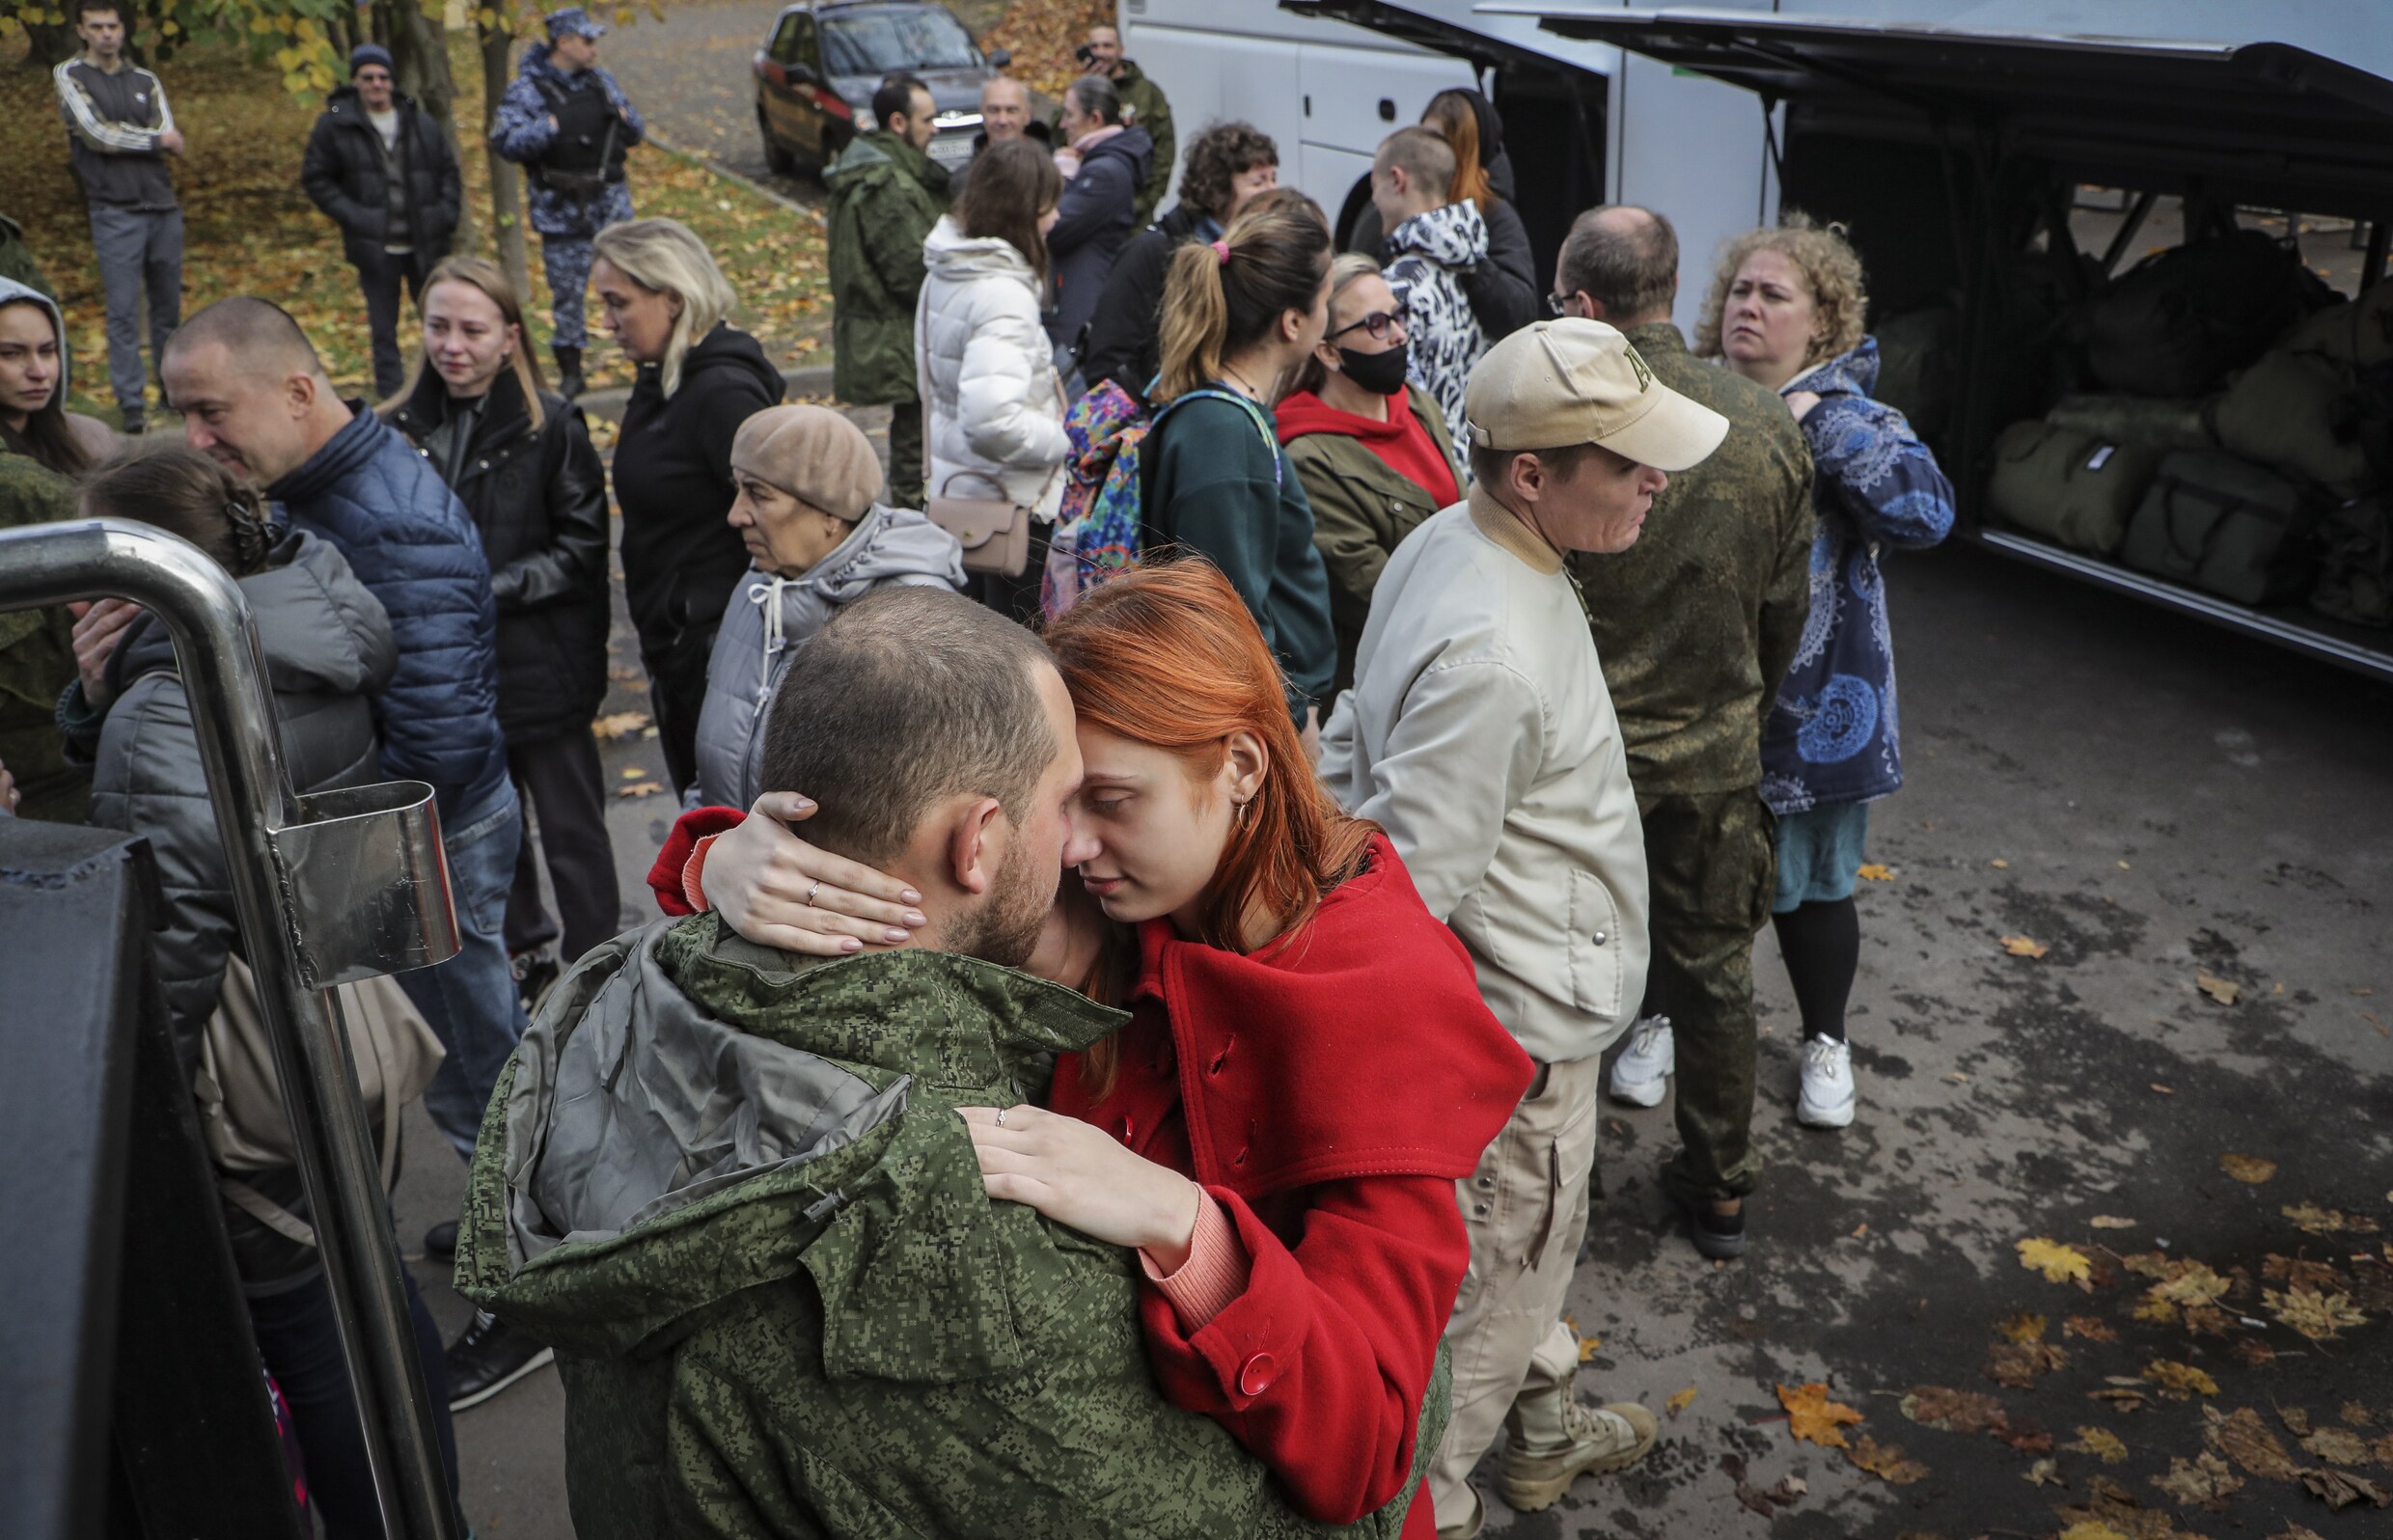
(299, 1337)
(471, 1000)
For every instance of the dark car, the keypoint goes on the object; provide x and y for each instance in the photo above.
(818, 68)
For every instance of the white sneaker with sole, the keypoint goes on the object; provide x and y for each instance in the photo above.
(1648, 1062)
(1828, 1094)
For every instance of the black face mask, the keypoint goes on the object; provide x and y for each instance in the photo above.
(1380, 374)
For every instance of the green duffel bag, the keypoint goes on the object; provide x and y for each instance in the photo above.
(2355, 562)
(2355, 331)
(2298, 413)
(2225, 526)
(2069, 486)
(2158, 422)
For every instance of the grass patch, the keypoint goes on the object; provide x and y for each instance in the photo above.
(248, 229)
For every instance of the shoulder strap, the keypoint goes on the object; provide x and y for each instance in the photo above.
(1255, 415)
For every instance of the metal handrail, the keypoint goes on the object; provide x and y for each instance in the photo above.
(224, 675)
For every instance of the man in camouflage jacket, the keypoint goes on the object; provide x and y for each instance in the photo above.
(886, 195)
(1695, 625)
(729, 1186)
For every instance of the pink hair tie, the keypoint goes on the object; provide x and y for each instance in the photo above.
(1220, 253)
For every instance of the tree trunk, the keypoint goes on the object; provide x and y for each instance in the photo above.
(507, 212)
(420, 50)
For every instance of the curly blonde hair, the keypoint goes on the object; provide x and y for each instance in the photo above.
(1831, 268)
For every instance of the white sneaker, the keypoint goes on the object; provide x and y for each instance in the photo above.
(1649, 1060)
(1827, 1095)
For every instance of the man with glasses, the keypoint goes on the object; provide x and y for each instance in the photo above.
(1695, 625)
(1373, 451)
(384, 173)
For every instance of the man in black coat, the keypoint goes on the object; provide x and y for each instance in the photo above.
(387, 176)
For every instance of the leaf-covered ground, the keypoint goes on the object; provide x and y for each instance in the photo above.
(250, 230)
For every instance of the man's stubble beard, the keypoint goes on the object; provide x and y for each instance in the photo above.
(1005, 927)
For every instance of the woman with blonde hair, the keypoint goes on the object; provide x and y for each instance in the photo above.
(1241, 316)
(1785, 310)
(668, 306)
(519, 457)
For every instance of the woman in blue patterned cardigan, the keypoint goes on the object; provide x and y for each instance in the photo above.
(1785, 310)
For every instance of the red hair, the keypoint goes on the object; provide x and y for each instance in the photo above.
(1168, 655)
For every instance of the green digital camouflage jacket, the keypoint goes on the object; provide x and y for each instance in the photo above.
(1696, 622)
(1144, 104)
(37, 659)
(730, 1186)
(885, 198)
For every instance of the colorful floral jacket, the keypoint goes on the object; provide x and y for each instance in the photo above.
(1833, 737)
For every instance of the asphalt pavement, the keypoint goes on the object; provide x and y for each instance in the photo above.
(2150, 801)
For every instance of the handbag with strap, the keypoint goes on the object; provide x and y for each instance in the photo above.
(995, 532)
(241, 1098)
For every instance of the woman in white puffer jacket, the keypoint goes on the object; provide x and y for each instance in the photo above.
(992, 403)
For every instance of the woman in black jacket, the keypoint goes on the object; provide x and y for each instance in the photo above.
(699, 378)
(521, 461)
(327, 649)
(382, 170)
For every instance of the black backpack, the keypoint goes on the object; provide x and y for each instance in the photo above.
(2177, 322)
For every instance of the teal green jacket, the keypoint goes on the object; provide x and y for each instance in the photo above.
(730, 1186)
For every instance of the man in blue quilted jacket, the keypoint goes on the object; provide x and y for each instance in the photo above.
(253, 395)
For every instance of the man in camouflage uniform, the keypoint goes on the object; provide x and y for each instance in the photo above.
(730, 1185)
(885, 194)
(1143, 107)
(1695, 625)
(567, 121)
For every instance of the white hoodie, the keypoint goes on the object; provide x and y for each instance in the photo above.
(993, 410)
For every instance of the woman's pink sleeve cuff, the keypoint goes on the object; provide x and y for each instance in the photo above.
(692, 870)
(1216, 1273)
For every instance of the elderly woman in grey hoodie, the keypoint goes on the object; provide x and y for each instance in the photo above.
(817, 540)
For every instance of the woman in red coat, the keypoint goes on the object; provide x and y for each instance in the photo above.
(1306, 1072)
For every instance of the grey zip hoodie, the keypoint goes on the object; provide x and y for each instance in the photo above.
(769, 616)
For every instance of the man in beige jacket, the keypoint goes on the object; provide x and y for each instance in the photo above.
(1480, 735)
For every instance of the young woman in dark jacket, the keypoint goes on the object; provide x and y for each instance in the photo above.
(521, 461)
(327, 647)
(699, 378)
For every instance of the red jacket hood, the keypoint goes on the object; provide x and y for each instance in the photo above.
(1306, 413)
(1359, 1047)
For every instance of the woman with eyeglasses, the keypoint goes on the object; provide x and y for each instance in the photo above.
(1372, 452)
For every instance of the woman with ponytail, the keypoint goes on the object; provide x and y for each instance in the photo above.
(1305, 1070)
(327, 647)
(1241, 316)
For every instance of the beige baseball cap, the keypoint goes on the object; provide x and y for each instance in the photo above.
(1572, 381)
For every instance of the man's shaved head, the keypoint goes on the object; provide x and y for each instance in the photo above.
(251, 389)
(258, 334)
(1425, 158)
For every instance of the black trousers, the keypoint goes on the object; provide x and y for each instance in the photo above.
(558, 779)
(381, 279)
(299, 1337)
(677, 690)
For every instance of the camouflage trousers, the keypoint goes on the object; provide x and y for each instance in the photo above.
(1710, 868)
(566, 259)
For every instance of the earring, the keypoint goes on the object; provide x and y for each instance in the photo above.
(1240, 815)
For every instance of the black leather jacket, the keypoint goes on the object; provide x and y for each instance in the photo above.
(538, 498)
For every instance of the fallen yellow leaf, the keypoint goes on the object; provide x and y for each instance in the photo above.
(1810, 1415)
(1588, 1347)
(2111, 1221)
(2021, 1328)
(643, 788)
(2221, 990)
(1885, 1461)
(2320, 1317)
(2100, 1443)
(2058, 1263)
(632, 772)
(619, 724)
(2000, 865)
(2023, 947)
(1873, 872)
(2177, 1380)
(1680, 1402)
(2251, 1168)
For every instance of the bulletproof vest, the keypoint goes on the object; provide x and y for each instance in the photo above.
(584, 149)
